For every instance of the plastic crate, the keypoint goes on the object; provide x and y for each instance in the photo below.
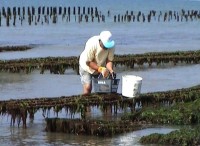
(105, 85)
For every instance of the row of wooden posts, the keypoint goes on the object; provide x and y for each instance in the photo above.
(49, 10)
(19, 109)
(58, 65)
(90, 14)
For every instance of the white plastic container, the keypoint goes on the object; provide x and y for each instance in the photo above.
(131, 85)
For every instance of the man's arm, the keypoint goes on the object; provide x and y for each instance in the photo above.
(109, 66)
(92, 65)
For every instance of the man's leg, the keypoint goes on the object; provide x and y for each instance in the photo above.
(86, 80)
(87, 88)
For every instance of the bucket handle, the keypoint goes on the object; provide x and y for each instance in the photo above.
(108, 77)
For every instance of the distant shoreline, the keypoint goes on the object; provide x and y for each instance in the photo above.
(14, 48)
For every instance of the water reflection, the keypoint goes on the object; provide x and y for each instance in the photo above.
(47, 85)
(14, 85)
(128, 139)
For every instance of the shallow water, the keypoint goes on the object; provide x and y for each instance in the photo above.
(17, 86)
(68, 39)
(35, 136)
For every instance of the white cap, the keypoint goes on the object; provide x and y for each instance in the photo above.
(105, 37)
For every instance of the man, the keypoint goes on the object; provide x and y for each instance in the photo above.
(96, 59)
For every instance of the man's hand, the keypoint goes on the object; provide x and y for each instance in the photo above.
(103, 71)
(113, 74)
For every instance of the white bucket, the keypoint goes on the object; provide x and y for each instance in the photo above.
(131, 85)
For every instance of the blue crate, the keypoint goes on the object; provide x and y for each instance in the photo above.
(105, 85)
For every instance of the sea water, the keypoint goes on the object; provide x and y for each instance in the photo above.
(68, 39)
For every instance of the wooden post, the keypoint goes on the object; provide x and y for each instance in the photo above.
(60, 11)
(0, 18)
(43, 10)
(33, 11)
(19, 11)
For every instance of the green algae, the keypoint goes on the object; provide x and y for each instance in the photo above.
(90, 127)
(180, 114)
(14, 48)
(175, 107)
(58, 65)
(183, 137)
(153, 106)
